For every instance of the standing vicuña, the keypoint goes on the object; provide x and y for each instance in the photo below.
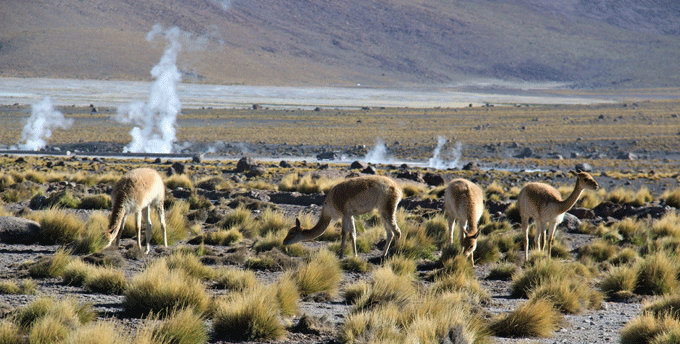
(355, 196)
(544, 204)
(136, 192)
(464, 202)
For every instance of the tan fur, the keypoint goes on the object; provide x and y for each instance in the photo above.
(543, 203)
(136, 193)
(355, 196)
(464, 202)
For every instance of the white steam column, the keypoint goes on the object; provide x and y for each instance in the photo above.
(155, 119)
(39, 126)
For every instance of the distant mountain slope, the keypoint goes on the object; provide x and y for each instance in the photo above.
(584, 43)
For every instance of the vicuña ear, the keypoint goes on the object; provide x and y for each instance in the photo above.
(476, 234)
(297, 223)
(573, 172)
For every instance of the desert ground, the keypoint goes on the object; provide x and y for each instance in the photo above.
(235, 159)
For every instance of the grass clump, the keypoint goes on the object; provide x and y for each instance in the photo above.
(308, 183)
(106, 280)
(568, 296)
(287, 294)
(535, 318)
(668, 304)
(176, 224)
(666, 226)
(50, 266)
(356, 291)
(49, 321)
(76, 271)
(241, 217)
(637, 198)
(250, 315)
(656, 275)
(100, 332)
(460, 282)
(58, 226)
(402, 266)
(619, 282)
(321, 273)
(9, 333)
(598, 250)
(235, 279)
(649, 329)
(502, 272)
(386, 287)
(272, 222)
(13, 287)
(179, 181)
(159, 289)
(670, 197)
(101, 201)
(184, 326)
(191, 265)
(92, 238)
(542, 270)
(223, 237)
(355, 264)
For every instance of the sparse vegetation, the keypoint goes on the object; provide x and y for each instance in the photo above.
(535, 318)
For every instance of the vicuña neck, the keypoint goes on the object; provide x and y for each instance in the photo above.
(565, 205)
(318, 229)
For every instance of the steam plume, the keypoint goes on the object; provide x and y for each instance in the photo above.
(155, 119)
(451, 158)
(378, 155)
(39, 126)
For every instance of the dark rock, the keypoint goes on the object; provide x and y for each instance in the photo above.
(199, 215)
(583, 167)
(257, 107)
(328, 155)
(414, 176)
(285, 164)
(157, 161)
(471, 166)
(358, 165)
(571, 223)
(315, 325)
(38, 202)
(20, 160)
(210, 184)
(197, 158)
(107, 257)
(414, 203)
(178, 167)
(245, 164)
(296, 198)
(433, 179)
(369, 170)
(256, 171)
(16, 230)
(181, 193)
(627, 156)
(525, 153)
(582, 213)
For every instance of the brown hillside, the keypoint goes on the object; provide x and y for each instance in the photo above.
(587, 43)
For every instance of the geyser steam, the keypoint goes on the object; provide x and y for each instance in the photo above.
(378, 155)
(39, 126)
(155, 119)
(443, 162)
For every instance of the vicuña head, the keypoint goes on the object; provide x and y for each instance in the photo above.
(137, 192)
(354, 196)
(544, 204)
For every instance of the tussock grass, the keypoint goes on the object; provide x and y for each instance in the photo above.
(159, 289)
(273, 221)
(287, 294)
(625, 256)
(9, 333)
(402, 266)
(656, 275)
(235, 279)
(223, 237)
(50, 266)
(536, 318)
(355, 264)
(356, 291)
(58, 226)
(666, 226)
(630, 228)
(386, 287)
(590, 198)
(105, 280)
(637, 198)
(413, 189)
(670, 197)
(270, 241)
(598, 250)
(487, 251)
(35, 176)
(76, 271)
(542, 270)
(100, 332)
(620, 281)
(321, 273)
(184, 326)
(250, 315)
(101, 201)
(49, 321)
(649, 329)
(241, 218)
(496, 189)
(436, 227)
(92, 238)
(178, 181)
(191, 265)
(502, 271)
(414, 242)
(13, 287)
(460, 282)
(308, 183)
(568, 296)
(198, 202)
(63, 199)
(666, 305)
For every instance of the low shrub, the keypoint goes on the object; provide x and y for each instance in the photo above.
(536, 318)
(356, 291)
(76, 271)
(355, 264)
(598, 250)
(9, 333)
(159, 289)
(670, 197)
(321, 273)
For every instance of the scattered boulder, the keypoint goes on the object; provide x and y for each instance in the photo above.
(433, 179)
(627, 156)
(525, 153)
(328, 155)
(16, 230)
(257, 107)
(583, 167)
(369, 170)
(285, 164)
(197, 158)
(471, 166)
(110, 256)
(178, 167)
(245, 164)
(582, 213)
(358, 165)
(414, 176)
(256, 171)
(571, 223)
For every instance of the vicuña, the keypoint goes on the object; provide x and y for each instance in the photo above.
(137, 192)
(464, 202)
(355, 196)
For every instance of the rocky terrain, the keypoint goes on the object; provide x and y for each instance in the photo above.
(596, 326)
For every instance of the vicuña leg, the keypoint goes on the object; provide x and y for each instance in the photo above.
(389, 219)
(161, 215)
(552, 226)
(348, 227)
(525, 230)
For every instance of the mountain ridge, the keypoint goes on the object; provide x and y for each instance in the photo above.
(581, 43)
